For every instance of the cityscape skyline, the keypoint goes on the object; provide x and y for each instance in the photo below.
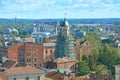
(34, 9)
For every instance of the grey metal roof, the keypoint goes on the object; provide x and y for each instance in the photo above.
(48, 44)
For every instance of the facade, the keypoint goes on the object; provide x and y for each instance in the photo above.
(65, 41)
(15, 71)
(83, 48)
(50, 39)
(48, 52)
(40, 36)
(31, 54)
(30, 39)
(65, 63)
(13, 51)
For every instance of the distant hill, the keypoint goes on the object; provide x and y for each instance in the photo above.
(72, 21)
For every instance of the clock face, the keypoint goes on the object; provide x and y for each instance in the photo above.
(64, 31)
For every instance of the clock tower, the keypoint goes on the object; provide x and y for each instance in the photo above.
(65, 41)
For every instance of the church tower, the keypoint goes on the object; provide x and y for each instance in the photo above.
(65, 41)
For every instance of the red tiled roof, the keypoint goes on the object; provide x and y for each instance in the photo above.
(64, 59)
(8, 64)
(23, 70)
(3, 75)
(55, 75)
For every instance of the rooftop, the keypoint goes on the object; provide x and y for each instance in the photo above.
(48, 44)
(64, 23)
(8, 64)
(64, 59)
(23, 70)
(55, 75)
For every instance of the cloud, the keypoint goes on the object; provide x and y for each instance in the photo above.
(57, 7)
(27, 5)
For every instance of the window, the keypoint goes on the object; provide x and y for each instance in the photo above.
(40, 65)
(34, 54)
(29, 54)
(29, 60)
(14, 78)
(46, 51)
(35, 59)
(27, 78)
(50, 51)
(35, 65)
(38, 77)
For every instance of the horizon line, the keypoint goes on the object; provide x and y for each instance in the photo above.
(58, 18)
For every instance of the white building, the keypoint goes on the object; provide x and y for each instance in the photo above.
(117, 72)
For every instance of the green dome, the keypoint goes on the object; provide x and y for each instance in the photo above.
(64, 23)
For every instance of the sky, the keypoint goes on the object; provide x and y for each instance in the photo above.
(40, 9)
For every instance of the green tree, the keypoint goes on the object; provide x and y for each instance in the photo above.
(82, 68)
(92, 61)
(109, 56)
(102, 70)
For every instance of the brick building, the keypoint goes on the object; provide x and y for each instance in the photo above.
(13, 51)
(65, 63)
(48, 51)
(83, 48)
(31, 54)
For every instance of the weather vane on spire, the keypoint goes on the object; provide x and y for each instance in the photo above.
(65, 15)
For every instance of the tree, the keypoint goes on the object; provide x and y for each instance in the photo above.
(108, 41)
(101, 69)
(109, 56)
(82, 68)
(92, 61)
(94, 37)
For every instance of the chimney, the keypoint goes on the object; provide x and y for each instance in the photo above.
(58, 71)
(64, 72)
(69, 75)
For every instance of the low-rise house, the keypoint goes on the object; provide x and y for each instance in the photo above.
(58, 76)
(17, 39)
(11, 70)
(50, 39)
(117, 44)
(68, 64)
(85, 77)
(31, 39)
(79, 34)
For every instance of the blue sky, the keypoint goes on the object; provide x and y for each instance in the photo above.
(39, 9)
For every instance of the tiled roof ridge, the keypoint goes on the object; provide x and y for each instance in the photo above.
(21, 70)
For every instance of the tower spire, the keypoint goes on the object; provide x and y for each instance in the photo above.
(65, 16)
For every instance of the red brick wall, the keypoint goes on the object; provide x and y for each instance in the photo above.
(13, 51)
(65, 65)
(81, 50)
(33, 51)
(48, 53)
(33, 54)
